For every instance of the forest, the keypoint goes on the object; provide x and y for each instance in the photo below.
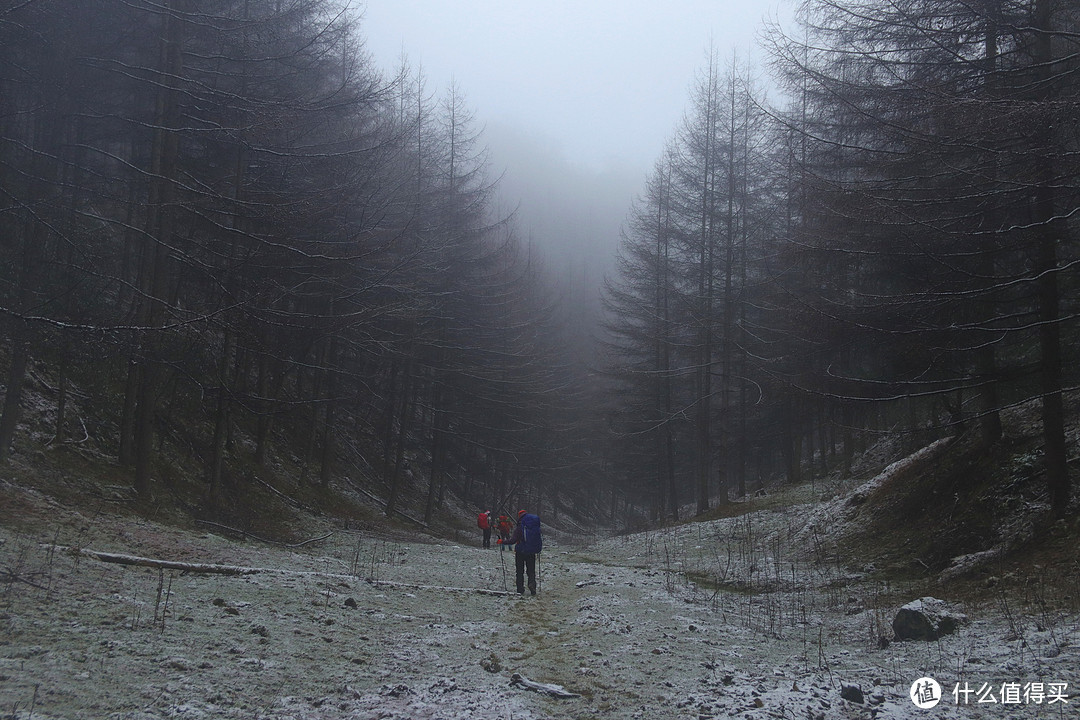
(232, 248)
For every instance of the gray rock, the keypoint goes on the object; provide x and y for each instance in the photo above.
(852, 694)
(926, 619)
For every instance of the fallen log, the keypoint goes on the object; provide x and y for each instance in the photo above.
(193, 567)
(557, 691)
(122, 559)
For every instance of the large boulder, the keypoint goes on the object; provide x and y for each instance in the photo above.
(926, 619)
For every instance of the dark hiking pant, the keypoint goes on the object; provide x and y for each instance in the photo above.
(525, 563)
(487, 537)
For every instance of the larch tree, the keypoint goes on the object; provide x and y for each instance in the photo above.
(931, 216)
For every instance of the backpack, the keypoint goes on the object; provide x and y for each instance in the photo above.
(531, 540)
(482, 521)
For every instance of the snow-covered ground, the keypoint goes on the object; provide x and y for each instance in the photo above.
(360, 627)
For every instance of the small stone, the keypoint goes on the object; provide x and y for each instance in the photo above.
(178, 663)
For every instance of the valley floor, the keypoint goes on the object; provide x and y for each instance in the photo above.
(731, 618)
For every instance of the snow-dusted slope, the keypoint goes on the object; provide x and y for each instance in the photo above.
(733, 618)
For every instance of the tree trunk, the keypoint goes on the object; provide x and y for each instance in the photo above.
(404, 426)
(61, 396)
(160, 226)
(791, 442)
(145, 417)
(9, 420)
(221, 420)
(327, 460)
(1051, 232)
(32, 236)
(126, 455)
(986, 399)
(435, 480)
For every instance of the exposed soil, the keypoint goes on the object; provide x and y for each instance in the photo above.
(754, 616)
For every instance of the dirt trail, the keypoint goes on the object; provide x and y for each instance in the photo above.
(312, 637)
(615, 635)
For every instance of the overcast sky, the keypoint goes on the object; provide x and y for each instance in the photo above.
(603, 80)
(576, 98)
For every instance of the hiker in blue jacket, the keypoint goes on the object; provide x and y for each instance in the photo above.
(527, 543)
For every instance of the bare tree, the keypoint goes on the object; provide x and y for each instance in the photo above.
(928, 193)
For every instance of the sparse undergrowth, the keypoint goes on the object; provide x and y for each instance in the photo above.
(958, 519)
(767, 607)
(758, 615)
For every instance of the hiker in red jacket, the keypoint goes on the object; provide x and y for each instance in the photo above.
(503, 527)
(484, 523)
(527, 544)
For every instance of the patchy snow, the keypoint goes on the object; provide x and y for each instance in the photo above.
(832, 516)
(742, 617)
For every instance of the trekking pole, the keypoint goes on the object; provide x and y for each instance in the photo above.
(502, 557)
(537, 572)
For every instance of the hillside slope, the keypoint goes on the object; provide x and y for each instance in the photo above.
(760, 615)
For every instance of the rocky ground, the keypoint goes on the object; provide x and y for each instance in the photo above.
(746, 617)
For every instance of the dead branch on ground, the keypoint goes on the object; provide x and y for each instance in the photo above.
(245, 533)
(10, 577)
